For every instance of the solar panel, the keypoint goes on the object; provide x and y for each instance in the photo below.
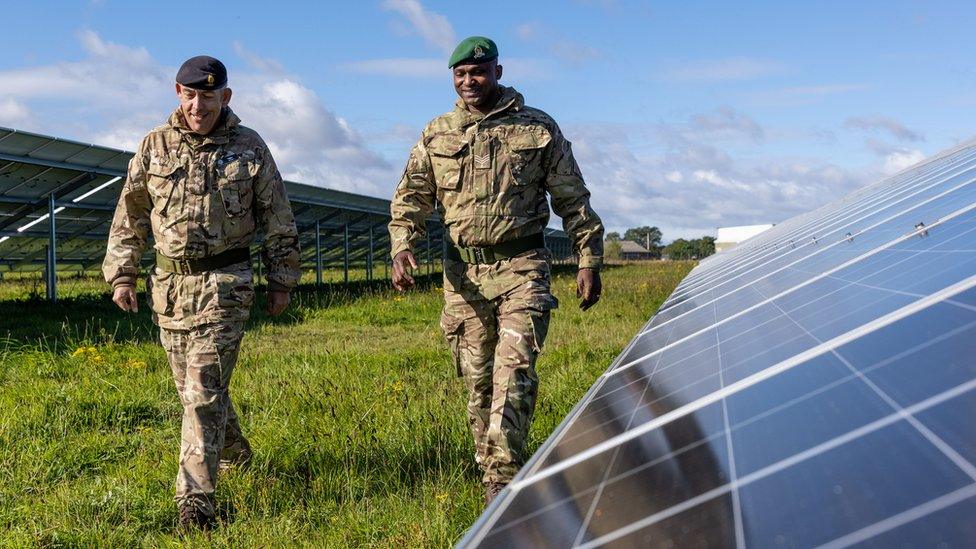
(813, 386)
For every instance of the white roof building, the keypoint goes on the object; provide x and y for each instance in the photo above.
(728, 237)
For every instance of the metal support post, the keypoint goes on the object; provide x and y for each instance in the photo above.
(52, 257)
(345, 253)
(369, 258)
(318, 254)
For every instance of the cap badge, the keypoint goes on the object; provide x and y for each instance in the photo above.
(210, 80)
(478, 52)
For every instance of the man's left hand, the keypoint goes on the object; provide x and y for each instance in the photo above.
(278, 300)
(588, 287)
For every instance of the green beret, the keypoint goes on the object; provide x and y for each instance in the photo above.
(202, 73)
(474, 49)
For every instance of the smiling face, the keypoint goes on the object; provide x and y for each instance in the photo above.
(477, 85)
(201, 108)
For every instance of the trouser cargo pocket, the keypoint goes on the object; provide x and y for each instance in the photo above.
(453, 328)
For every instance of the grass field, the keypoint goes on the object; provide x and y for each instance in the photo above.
(355, 414)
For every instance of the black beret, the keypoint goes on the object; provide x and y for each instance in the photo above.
(202, 73)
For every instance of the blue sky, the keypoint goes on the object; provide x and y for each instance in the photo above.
(684, 115)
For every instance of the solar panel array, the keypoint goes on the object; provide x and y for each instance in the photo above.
(814, 386)
(80, 184)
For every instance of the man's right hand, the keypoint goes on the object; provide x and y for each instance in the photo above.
(125, 297)
(403, 264)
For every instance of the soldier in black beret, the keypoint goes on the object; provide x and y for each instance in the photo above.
(201, 85)
(202, 185)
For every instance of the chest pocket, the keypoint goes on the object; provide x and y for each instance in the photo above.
(525, 155)
(162, 181)
(234, 182)
(446, 160)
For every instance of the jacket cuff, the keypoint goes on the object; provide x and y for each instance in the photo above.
(277, 287)
(123, 280)
(594, 262)
(399, 247)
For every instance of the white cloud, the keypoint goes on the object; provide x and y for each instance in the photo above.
(882, 123)
(893, 158)
(899, 160)
(110, 96)
(123, 132)
(134, 93)
(725, 122)
(433, 27)
(14, 113)
(110, 73)
(722, 70)
(311, 144)
(685, 184)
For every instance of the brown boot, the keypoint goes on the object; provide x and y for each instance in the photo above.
(492, 489)
(196, 513)
(236, 454)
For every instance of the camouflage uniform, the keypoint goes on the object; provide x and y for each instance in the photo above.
(488, 176)
(200, 196)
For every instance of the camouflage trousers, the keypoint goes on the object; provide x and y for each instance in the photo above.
(495, 343)
(202, 360)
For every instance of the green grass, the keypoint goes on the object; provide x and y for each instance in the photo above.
(354, 412)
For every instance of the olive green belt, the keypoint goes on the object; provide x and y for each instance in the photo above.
(480, 255)
(202, 264)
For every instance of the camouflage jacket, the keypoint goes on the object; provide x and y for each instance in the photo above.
(200, 196)
(488, 177)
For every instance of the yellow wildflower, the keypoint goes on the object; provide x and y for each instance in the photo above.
(90, 354)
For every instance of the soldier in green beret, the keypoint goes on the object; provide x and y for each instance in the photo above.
(487, 167)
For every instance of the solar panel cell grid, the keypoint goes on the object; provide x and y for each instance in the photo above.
(788, 395)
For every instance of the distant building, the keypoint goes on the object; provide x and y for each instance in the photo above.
(630, 250)
(728, 237)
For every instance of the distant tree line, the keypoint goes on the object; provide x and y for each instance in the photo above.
(651, 239)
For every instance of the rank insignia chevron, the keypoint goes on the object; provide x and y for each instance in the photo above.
(482, 162)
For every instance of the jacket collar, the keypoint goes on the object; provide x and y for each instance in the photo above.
(220, 135)
(509, 100)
